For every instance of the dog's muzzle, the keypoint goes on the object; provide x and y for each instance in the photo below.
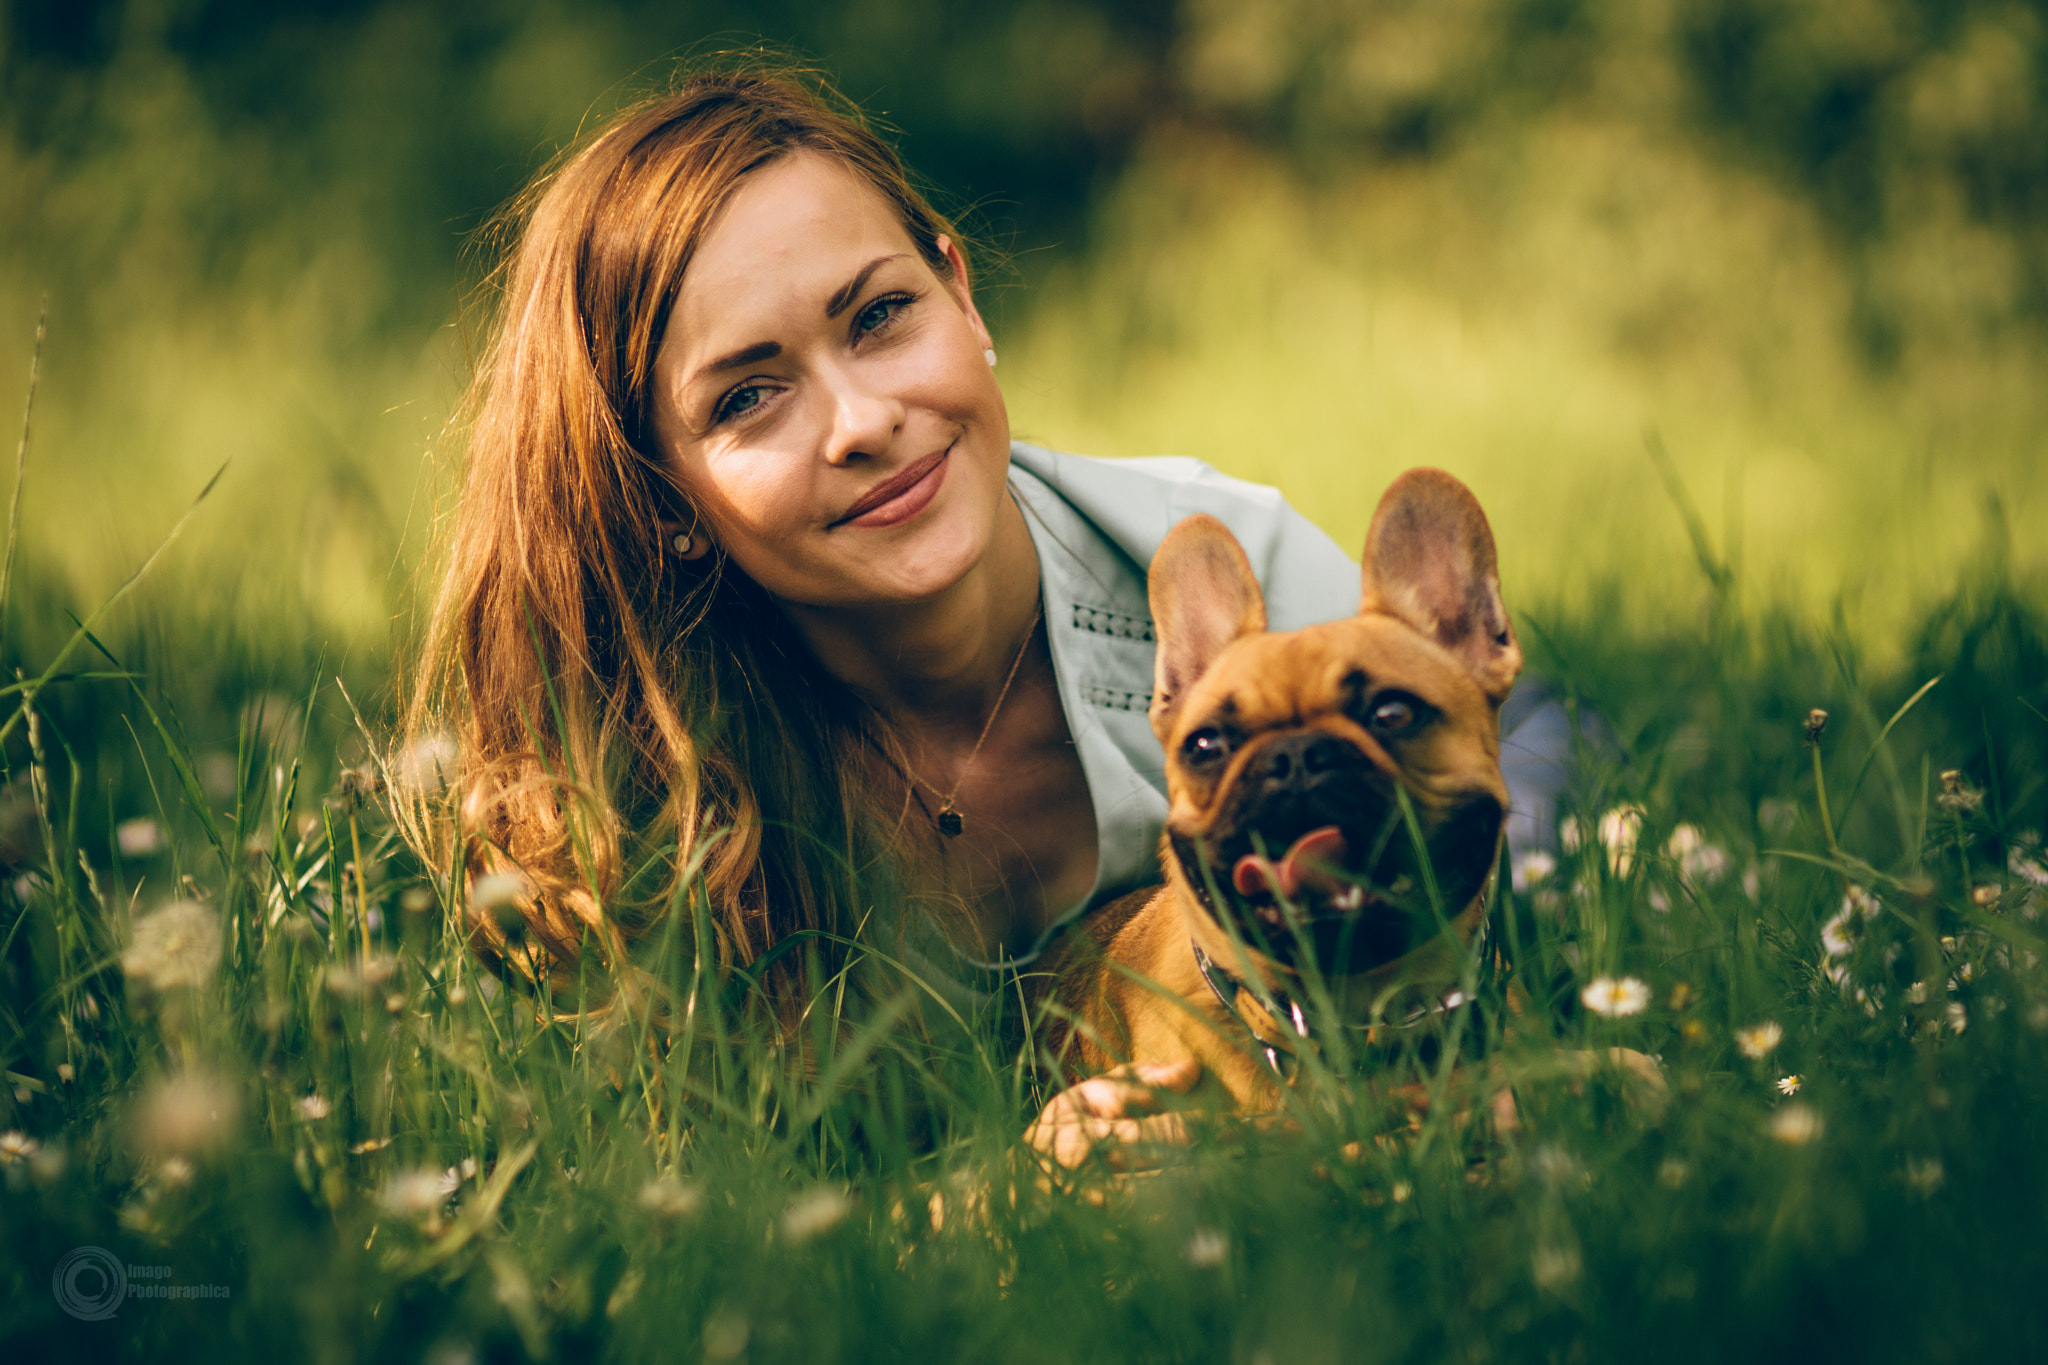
(1310, 849)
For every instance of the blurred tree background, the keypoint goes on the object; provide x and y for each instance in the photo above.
(1802, 242)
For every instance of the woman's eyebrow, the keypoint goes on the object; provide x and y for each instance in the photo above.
(843, 300)
(760, 350)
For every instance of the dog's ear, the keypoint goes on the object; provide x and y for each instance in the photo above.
(1203, 596)
(1429, 561)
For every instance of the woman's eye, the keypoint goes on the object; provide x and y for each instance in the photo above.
(1203, 746)
(1394, 715)
(879, 314)
(739, 402)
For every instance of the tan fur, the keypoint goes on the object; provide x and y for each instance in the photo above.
(1431, 625)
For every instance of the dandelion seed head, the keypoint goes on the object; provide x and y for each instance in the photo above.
(725, 1335)
(1555, 1267)
(1208, 1248)
(1613, 998)
(1555, 1166)
(177, 945)
(671, 1198)
(427, 766)
(1759, 1040)
(1796, 1124)
(141, 837)
(814, 1212)
(362, 977)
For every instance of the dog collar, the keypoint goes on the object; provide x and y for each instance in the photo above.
(1228, 987)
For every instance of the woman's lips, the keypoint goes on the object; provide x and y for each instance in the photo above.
(899, 497)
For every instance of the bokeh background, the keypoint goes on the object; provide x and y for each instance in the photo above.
(1801, 244)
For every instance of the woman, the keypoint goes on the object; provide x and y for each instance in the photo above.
(747, 574)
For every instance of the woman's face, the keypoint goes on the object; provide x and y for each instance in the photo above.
(823, 397)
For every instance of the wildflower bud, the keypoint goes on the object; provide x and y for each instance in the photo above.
(190, 1113)
(1816, 721)
(1958, 795)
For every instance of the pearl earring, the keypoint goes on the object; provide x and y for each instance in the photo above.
(990, 356)
(683, 542)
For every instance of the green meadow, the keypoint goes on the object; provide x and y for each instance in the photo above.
(1731, 313)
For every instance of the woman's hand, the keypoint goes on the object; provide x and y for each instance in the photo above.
(1113, 1111)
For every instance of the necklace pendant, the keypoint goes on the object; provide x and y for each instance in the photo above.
(950, 823)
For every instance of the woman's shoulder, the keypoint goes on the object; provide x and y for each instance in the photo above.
(1133, 503)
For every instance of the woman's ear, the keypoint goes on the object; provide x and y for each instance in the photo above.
(963, 290)
(686, 540)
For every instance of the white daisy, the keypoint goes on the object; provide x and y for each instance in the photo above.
(1844, 930)
(1759, 1040)
(1612, 999)
(1698, 861)
(416, 1193)
(1619, 829)
(1531, 868)
(1789, 1085)
(2027, 868)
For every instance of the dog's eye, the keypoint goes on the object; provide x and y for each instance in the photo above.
(1204, 747)
(1394, 714)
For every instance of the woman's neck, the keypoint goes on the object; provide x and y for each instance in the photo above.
(938, 664)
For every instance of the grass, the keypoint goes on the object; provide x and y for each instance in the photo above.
(277, 1116)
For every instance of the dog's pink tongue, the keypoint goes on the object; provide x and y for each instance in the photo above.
(1310, 858)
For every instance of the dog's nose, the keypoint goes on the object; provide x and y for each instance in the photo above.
(1299, 761)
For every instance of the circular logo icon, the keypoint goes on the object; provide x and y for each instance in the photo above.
(90, 1283)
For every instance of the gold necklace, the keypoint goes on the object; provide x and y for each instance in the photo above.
(948, 819)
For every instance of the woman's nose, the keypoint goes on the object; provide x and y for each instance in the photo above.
(865, 420)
